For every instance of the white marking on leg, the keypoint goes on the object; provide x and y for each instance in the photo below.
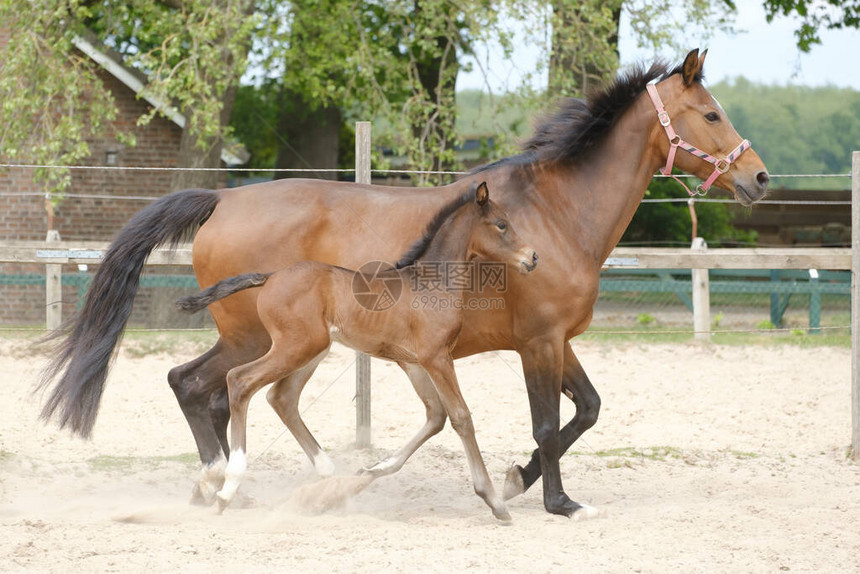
(384, 466)
(585, 513)
(236, 467)
(323, 464)
(212, 477)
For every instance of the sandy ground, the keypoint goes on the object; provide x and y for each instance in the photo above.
(705, 458)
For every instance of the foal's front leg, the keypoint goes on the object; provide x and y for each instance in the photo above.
(441, 371)
(436, 416)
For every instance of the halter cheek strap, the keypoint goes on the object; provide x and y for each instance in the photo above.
(721, 166)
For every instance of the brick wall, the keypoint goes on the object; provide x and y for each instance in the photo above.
(24, 217)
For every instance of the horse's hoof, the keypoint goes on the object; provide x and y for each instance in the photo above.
(585, 512)
(502, 515)
(200, 499)
(514, 485)
(223, 503)
(562, 505)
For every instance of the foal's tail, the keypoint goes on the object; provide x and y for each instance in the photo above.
(83, 358)
(223, 288)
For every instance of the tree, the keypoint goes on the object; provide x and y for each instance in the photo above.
(193, 52)
(584, 50)
(830, 15)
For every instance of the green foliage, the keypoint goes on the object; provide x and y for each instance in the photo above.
(254, 122)
(52, 100)
(191, 53)
(670, 223)
(645, 319)
(814, 16)
(796, 129)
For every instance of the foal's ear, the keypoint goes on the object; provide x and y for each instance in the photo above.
(482, 194)
(693, 66)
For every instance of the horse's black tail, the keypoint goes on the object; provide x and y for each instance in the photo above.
(223, 288)
(85, 355)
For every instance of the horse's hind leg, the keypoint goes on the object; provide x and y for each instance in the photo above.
(219, 412)
(436, 417)
(578, 388)
(193, 384)
(441, 371)
(284, 399)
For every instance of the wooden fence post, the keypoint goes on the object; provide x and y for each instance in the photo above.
(53, 288)
(701, 296)
(362, 361)
(855, 305)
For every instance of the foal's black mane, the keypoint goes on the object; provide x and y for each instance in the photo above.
(419, 247)
(568, 134)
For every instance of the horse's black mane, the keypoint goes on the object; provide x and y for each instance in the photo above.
(568, 134)
(419, 247)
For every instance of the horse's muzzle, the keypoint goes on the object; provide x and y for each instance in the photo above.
(528, 265)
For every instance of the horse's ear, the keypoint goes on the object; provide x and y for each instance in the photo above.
(692, 66)
(482, 194)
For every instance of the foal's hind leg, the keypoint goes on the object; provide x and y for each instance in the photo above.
(578, 388)
(245, 380)
(436, 417)
(284, 399)
(441, 371)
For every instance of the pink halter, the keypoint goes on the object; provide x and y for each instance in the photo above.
(721, 166)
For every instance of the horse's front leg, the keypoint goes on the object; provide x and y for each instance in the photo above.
(543, 360)
(578, 388)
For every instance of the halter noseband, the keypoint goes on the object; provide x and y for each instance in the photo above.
(721, 166)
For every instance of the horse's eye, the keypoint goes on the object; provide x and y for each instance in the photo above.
(501, 225)
(712, 116)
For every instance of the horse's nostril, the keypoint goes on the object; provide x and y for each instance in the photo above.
(534, 257)
(763, 179)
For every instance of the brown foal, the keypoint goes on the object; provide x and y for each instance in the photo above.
(387, 314)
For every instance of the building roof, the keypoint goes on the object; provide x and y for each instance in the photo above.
(232, 153)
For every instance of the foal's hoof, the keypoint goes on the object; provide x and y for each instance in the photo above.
(514, 485)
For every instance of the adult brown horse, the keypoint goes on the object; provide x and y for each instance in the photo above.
(570, 194)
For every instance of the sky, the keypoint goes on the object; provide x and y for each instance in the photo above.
(763, 53)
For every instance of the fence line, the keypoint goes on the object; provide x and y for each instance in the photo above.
(659, 200)
(322, 170)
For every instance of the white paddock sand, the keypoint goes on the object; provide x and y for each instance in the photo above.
(705, 459)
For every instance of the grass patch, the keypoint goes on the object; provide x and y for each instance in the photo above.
(651, 333)
(650, 453)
